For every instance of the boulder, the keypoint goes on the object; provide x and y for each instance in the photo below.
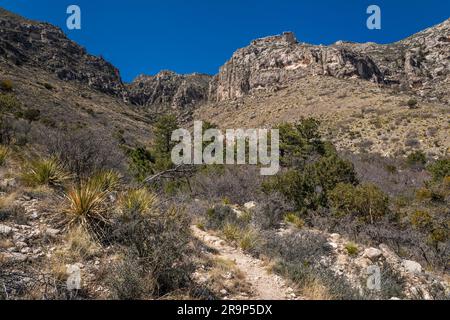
(412, 266)
(372, 253)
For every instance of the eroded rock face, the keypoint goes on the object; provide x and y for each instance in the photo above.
(271, 63)
(420, 63)
(42, 45)
(169, 89)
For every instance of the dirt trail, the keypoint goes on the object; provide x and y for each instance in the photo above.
(265, 285)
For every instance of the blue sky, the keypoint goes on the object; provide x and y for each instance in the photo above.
(146, 36)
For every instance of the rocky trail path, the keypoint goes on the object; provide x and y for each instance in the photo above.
(264, 285)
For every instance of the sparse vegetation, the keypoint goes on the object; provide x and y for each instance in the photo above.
(4, 152)
(6, 85)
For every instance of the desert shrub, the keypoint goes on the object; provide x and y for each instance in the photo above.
(107, 180)
(424, 194)
(308, 188)
(128, 280)
(6, 130)
(137, 202)
(270, 210)
(366, 201)
(163, 129)
(351, 248)
(80, 243)
(421, 219)
(9, 103)
(159, 245)
(220, 215)
(84, 152)
(294, 219)
(299, 141)
(440, 169)
(31, 115)
(44, 172)
(48, 86)
(412, 103)
(141, 163)
(231, 231)
(417, 159)
(239, 184)
(248, 239)
(86, 206)
(6, 85)
(4, 152)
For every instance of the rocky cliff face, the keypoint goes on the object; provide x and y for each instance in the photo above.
(169, 89)
(42, 45)
(420, 63)
(273, 62)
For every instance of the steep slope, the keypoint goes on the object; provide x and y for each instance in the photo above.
(273, 62)
(168, 89)
(42, 45)
(420, 63)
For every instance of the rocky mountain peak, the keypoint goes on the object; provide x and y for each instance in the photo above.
(42, 45)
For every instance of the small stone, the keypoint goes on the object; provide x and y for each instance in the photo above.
(13, 257)
(25, 250)
(21, 244)
(250, 205)
(52, 232)
(223, 292)
(5, 230)
(412, 266)
(330, 246)
(335, 237)
(372, 253)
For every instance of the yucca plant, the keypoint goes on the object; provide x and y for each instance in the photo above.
(44, 172)
(139, 201)
(86, 205)
(4, 152)
(105, 180)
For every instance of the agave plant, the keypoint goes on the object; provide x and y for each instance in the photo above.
(45, 172)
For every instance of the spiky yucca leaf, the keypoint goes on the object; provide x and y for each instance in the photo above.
(45, 172)
(86, 204)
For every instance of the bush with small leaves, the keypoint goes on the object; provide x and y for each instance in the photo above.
(440, 169)
(6, 85)
(9, 103)
(412, 103)
(366, 201)
(417, 159)
(294, 219)
(421, 219)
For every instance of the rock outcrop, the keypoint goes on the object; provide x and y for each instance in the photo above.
(169, 89)
(44, 46)
(420, 63)
(271, 63)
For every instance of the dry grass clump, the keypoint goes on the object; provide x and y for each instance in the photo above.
(138, 201)
(4, 152)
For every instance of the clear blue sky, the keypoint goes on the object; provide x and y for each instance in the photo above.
(145, 36)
